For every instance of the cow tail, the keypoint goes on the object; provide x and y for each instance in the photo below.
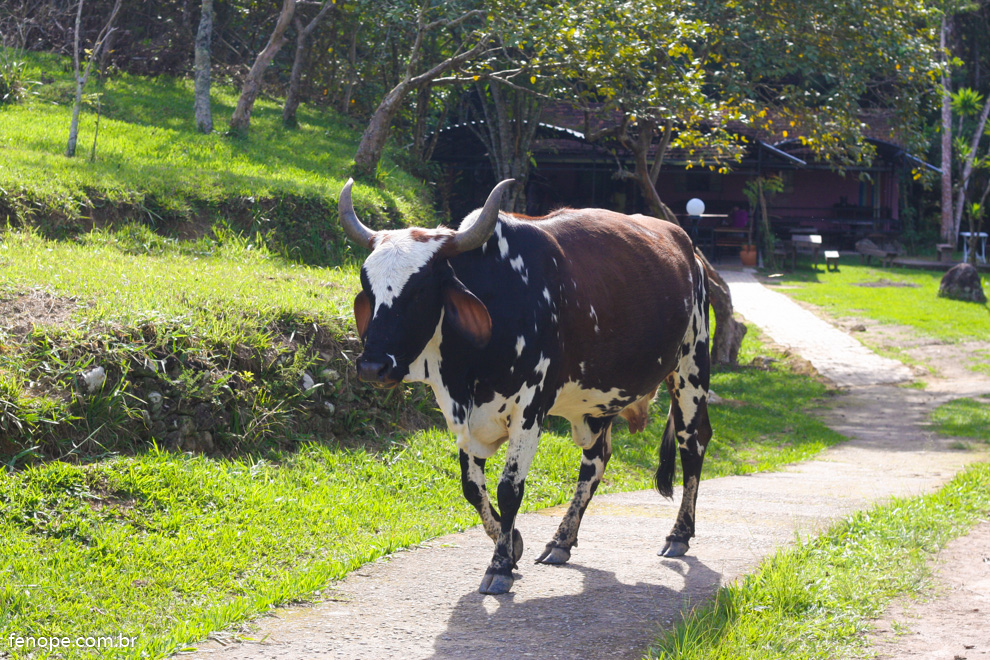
(664, 478)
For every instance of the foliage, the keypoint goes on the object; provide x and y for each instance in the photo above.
(817, 600)
(12, 83)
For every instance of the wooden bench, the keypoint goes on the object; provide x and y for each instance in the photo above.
(832, 260)
(944, 251)
(807, 244)
(868, 249)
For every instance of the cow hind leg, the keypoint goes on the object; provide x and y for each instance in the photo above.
(689, 426)
(593, 462)
(508, 544)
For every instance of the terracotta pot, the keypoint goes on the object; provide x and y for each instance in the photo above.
(747, 254)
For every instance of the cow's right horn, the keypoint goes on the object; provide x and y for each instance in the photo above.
(355, 231)
(476, 235)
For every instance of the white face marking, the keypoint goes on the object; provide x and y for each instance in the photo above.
(397, 257)
(520, 345)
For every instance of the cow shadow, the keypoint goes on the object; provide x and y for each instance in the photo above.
(605, 618)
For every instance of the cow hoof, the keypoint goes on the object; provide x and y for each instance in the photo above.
(554, 554)
(517, 547)
(494, 584)
(674, 549)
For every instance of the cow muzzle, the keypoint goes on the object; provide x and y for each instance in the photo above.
(376, 373)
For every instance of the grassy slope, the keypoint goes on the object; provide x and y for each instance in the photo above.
(150, 156)
(915, 306)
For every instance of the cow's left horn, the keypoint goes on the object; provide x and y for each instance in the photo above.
(355, 231)
(476, 235)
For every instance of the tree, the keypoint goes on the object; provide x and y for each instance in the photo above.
(668, 73)
(303, 34)
(462, 46)
(201, 69)
(241, 119)
(509, 117)
(974, 157)
(945, 88)
(83, 78)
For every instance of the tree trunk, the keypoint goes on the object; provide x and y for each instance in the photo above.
(241, 119)
(948, 227)
(81, 79)
(303, 34)
(201, 69)
(729, 333)
(510, 123)
(967, 172)
(295, 78)
(70, 149)
(345, 104)
(373, 140)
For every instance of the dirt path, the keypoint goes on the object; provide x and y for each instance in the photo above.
(615, 594)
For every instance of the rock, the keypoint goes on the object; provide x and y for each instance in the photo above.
(962, 282)
(329, 375)
(307, 383)
(206, 441)
(188, 438)
(329, 409)
(92, 381)
(155, 400)
(859, 327)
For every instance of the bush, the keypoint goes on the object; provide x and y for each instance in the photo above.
(11, 77)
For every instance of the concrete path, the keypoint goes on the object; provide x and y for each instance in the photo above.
(833, 353)
(616, 593)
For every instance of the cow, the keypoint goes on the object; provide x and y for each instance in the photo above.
(579, 314)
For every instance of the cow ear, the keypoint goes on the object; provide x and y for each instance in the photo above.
(468, 314)
(362, 313)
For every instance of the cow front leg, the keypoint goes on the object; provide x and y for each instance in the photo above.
(508, 546)
(476, 493)
(593, 462)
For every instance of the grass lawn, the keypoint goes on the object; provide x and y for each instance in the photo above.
(889, 295)
(167, 546)
(967, 418)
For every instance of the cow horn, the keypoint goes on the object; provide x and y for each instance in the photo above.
(355, 231)
(476, 235)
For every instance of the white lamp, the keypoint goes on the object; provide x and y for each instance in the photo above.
(695, 206)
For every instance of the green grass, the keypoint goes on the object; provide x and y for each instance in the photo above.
(916, 305)
(153, 166)
(968, 418)
(169, 547)
(816, 600)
